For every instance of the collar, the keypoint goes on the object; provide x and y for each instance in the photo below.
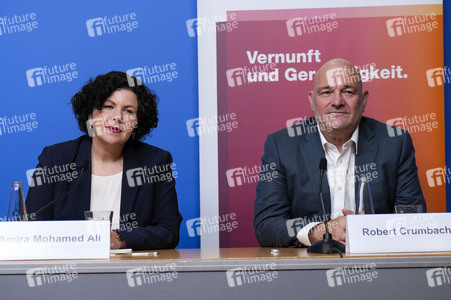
(354, 138)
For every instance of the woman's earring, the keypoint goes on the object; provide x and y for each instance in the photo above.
(90, 128)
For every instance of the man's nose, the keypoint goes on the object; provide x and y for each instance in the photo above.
(337, 99)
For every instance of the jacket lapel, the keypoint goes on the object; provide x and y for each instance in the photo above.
(366, 152)
(83, 193)
(128, 194)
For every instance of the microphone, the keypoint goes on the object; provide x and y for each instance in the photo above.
(327, 244)
(84, 165)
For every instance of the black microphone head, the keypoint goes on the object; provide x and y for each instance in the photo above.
(84, 164)
(323, 164)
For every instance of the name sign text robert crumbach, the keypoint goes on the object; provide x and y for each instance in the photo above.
(385, 233)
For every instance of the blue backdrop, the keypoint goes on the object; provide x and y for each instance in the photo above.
(152, 35)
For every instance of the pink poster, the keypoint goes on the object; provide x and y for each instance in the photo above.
(265, 69)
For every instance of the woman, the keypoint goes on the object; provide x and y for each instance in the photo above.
(124, 175)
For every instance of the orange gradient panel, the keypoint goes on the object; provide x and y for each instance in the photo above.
(404, 90)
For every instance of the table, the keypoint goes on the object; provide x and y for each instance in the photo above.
(232, 273)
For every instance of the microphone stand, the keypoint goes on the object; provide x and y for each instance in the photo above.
(83, 166)
(327, 244)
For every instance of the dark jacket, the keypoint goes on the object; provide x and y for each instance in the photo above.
(294, 192)
(149, 216)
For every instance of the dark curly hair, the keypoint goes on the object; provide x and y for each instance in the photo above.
(95, 92)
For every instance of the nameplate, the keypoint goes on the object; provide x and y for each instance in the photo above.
(54, 240)
(423, 232)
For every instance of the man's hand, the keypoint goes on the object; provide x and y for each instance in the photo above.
(337, 228)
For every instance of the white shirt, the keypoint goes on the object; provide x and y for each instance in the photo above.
(106, 195)
(340, 176)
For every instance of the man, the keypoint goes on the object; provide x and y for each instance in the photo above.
(288, 211)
